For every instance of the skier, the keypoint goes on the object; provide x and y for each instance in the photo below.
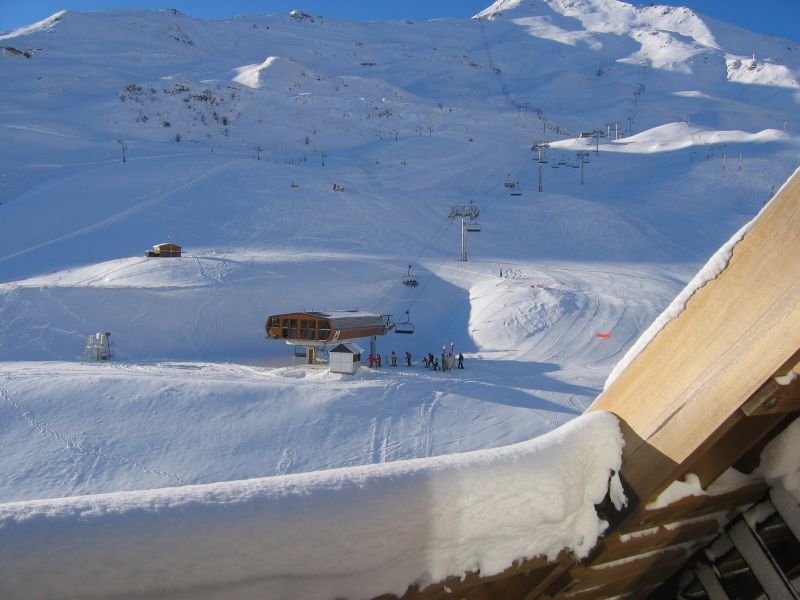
(394, 359)
(436, 364)
(408, 358)
(378, 360)
(371, 361)
(460, 360)
(425, 362)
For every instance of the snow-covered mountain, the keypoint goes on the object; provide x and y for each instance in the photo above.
(304, 162)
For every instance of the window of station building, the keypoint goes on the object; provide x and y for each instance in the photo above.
(284, 328)
(324, 329)
(307, 329)
(292, 329)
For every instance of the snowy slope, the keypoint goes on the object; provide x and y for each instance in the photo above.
(235, 133)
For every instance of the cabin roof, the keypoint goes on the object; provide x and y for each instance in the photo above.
(348, 348)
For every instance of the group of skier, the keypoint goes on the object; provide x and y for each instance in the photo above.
(448, 360)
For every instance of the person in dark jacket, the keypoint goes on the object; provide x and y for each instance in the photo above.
(408, 358)
(460, 360)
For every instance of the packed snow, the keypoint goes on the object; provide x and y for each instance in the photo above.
(780, 460)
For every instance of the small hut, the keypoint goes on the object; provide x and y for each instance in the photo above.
(165, 250)
(345, 358)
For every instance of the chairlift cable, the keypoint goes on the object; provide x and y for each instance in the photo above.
(437, 235)
(434, 272)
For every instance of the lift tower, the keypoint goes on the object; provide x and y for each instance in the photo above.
(539, 148)
(471, 212)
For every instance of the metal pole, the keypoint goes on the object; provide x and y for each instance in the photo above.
(464, 237)
(582, 156)
(540, 147)
(541, 184)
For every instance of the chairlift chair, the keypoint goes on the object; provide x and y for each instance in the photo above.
(404, 326)
(409, 280)
(473, 227)
(513, 186)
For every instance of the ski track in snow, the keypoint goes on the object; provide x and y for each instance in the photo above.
(84, 450)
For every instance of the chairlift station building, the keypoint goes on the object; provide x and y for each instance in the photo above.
(313, 330)
(320, 328)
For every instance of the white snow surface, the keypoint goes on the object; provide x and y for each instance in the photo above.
(353, 533)
(780, 459)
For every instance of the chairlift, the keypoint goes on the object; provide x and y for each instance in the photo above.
(404, 326)
(473, 227)
(513, 186)
(409, 280)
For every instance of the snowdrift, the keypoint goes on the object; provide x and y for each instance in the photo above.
(353, 533)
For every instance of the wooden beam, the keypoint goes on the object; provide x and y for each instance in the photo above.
(693, 507)
(614, 548)
(611, 580)
(773, 398)
(745, 433)
(537, 567)
(555, 574)
(732, 336)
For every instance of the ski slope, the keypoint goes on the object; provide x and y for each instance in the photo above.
(234, 133)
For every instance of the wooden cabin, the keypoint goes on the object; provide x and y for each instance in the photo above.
(710, 390)
(166, 250)
(320, 328)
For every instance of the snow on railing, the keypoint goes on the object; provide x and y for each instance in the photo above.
(353, 532)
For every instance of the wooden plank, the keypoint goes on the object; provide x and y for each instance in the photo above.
(539, 565)
(614, 548)
(773, 398)
(703, 366)
(619, 589)
(692, 507)
(736, 442)
(550, 579)
(643, 572)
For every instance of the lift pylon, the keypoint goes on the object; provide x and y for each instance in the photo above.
(471, 212)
